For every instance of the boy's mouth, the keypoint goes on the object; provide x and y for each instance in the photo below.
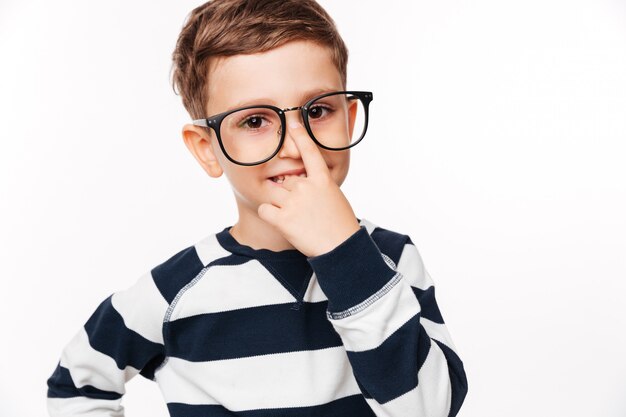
(280, 178)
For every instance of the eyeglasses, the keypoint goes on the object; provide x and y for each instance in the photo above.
(253, 135)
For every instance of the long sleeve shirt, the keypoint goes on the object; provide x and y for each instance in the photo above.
(228, 330)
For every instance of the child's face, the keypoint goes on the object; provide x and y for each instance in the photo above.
(282, 77)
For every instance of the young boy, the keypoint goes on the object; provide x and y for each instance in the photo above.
(300, 308)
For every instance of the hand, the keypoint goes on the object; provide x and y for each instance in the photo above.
(312, 213)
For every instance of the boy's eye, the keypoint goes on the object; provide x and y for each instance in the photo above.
(317, 112)
(252, 122)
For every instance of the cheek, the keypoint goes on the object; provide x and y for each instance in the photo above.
(243, 178)
(336, 158)
(339, 162)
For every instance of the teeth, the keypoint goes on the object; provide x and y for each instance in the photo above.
(281, 178)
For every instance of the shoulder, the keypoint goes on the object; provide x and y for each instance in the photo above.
(143, 305)
(171, 275)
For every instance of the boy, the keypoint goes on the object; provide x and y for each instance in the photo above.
(300, 308)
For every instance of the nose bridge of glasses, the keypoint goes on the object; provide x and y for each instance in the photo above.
(298, 116)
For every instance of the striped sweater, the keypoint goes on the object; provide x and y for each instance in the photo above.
(228, 330)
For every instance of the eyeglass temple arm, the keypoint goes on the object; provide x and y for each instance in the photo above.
(200, 122)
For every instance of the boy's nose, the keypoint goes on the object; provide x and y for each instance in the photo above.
(293, 118)
(294, 126)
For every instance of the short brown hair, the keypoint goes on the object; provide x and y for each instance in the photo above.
(231, 27)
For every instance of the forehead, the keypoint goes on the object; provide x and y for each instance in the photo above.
(281, 76)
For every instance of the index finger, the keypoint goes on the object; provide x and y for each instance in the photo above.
(314, 162)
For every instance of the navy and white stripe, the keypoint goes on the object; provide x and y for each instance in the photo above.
(228, 330)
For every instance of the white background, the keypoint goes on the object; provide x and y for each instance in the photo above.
(496, 142)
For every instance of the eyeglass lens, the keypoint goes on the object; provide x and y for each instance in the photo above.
(252, 135)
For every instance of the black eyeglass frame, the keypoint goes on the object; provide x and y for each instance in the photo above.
(214, 122)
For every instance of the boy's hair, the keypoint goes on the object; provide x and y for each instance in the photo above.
(232, 27)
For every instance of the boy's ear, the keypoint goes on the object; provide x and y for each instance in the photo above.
(352, 110)
(201, 147)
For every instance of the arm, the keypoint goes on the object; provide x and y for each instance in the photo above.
(121, 339)
(401, 353)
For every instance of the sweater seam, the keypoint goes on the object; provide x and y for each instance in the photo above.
(368, 301)
(172, 306)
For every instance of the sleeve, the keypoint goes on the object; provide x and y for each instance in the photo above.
(402, 356)
(122, 338)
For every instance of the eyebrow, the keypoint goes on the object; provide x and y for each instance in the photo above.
(264, 100)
